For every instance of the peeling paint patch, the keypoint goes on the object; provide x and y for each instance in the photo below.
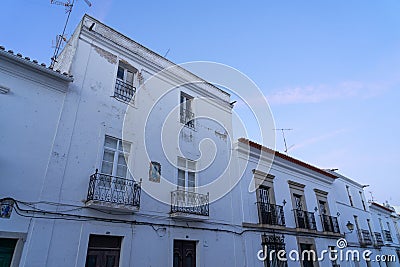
(111, 58)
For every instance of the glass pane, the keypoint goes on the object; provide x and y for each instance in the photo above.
(110, 142)
(121, 171)
(189, 105)
(191, 165)
(121, 159)
(181, 178)
(106, 167)
(191, 179)
(129, 77)
(120, 73)
(108, 156)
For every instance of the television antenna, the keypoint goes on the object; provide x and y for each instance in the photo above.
(284, 138)
(372, 196)
(60, 39)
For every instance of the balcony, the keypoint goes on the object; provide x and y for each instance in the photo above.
(189, 205)
(124, 91)
(378, 241)
(305, 220)
(271, 214)
(330, 224)
(187, 117)
(364, 237)
(110, 192)
(387, 236)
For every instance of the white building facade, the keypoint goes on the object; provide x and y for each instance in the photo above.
(110, 167)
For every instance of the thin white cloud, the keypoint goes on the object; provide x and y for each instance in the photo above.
(320, 93)
(316, 139)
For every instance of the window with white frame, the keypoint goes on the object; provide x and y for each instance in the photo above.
(124, 85)
(115, 157)
(349, 195)
(186, 174)
(186, 111)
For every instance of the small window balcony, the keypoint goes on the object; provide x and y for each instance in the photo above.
(271, 214)
(305, 220)
(124, 92)
(364, 237)
(111, 192)
(330, 224)
(191, 205)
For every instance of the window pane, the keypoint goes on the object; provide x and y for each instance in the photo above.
(121, 159)
(191, 179)
(106, 167)
(129, 77)
(191, 165)
(108, 156)
(181, 178)
(110, 142)
(120, 73)
(121, 171)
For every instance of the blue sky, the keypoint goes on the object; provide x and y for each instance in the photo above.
(329, 69)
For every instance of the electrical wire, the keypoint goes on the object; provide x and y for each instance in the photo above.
(75, 217)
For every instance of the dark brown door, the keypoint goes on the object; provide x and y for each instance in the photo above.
(307, 260)
(103, 251)
(184, 253)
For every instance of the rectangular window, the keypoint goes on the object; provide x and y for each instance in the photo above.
(349, 195)
(186, 174)
(362, 201)
(115, 157)
(103, 251)
(124, 85)
(184, 253)
(186, 111)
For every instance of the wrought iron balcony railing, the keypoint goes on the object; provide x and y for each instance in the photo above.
(378, 241)
(124, 91)
(305, 219)
(114, 190)
(387, 235)
(189, 202)
(330, 224)
(187, 117)
(364, 237)
(271, 214)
